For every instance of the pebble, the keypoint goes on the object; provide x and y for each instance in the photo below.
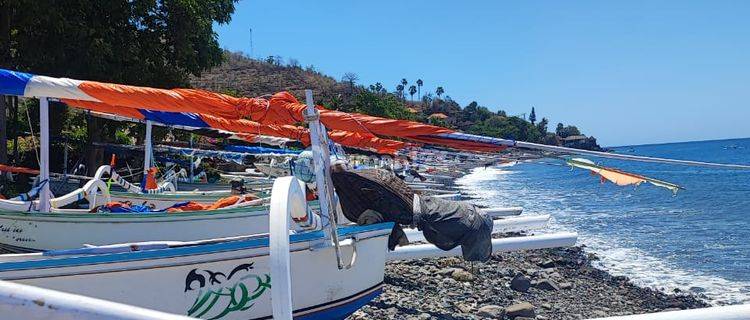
(599, 313)
(491, 311)
(520, 283)
(549, 263)
(464, 308)
(447, 271)
(523, 309)
(428, 289)
(462, 275)
(547, 284)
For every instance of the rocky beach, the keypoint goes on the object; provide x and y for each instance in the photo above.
(559, 283)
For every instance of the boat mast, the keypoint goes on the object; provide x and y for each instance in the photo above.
(44, 193)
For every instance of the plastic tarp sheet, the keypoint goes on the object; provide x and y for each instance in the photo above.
(373, 195)
(217, 109)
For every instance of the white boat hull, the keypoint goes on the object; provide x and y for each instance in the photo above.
(229, 280)
(24, 232)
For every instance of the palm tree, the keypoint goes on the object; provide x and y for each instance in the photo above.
(400, 90)
(439, 91)
(412, 91)
(404, 82)
(419, 88)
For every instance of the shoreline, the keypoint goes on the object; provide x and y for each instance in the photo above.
(559, 283)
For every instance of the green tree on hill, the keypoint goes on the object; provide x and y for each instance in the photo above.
(400, 90)
(559, 129)
(567, 131)
(532, 116)
(439, 91)
(386, 105)
(542, 126)
(149, 43)
(378, 87)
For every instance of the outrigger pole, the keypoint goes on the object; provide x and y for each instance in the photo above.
(543, 147)
(627, 157)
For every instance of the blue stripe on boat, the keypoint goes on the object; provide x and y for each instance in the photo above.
(181, 251)
(254, 149)
(342, 311)
(13, 82)
(175, 118)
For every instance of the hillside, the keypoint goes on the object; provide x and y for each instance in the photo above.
(239, 75)
(242, 76)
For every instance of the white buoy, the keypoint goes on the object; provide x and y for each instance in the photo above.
(554, 240)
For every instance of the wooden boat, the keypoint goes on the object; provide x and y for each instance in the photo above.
(226, 280)
(38, 231)
(23, 229)
(221, 278)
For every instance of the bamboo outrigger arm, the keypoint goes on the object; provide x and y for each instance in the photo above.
(627, 157)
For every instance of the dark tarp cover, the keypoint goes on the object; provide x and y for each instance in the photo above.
(373, 195)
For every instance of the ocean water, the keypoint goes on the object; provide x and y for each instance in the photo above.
(698, 240)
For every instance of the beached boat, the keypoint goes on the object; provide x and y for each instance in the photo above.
(221, 278)
(227, 280)
(23, 228)
(38, 231)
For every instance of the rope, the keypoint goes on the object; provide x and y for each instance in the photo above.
(360, 123)
(33, 137)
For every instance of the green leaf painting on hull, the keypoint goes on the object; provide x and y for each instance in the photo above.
(219, 294)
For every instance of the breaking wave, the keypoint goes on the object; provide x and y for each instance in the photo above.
(616, 230)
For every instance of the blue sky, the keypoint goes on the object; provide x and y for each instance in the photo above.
(627, 72)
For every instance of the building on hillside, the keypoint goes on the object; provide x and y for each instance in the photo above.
(438, 118)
